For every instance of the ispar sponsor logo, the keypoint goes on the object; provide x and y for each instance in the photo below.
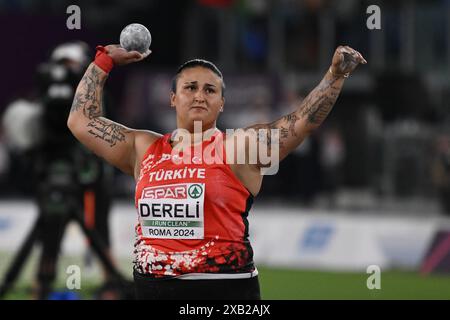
(178, 191)
(195, 191)
(173, 211)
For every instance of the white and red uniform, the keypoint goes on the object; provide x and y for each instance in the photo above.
(192, 217)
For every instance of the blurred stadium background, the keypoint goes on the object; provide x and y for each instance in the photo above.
(370, 187)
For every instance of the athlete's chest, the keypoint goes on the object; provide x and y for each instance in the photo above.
(166, 169)
(173, 199)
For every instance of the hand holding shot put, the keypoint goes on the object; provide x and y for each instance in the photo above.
(121, 56)
(196, 228)
(135, 40)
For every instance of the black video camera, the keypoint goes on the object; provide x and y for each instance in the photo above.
(59, 154)
(57, 84)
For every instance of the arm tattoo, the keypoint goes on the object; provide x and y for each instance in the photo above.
(318, 104)
(107, 131)
(290, 120)
(311, 112)
(88, 100)
(89, 93)
(262, 134)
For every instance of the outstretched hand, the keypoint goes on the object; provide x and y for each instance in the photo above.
(345, 60)
(121, 56)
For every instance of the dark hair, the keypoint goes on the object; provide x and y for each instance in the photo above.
(198, 63)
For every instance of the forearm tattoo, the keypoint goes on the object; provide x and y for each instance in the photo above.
(314, 109)
(88, 100)
(88, 96)
(318, 104)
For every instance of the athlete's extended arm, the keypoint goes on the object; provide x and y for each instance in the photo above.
(312, 111)
(109, 140)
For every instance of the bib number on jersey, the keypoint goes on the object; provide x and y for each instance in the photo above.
(172, 211)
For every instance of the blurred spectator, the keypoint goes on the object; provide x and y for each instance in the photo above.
(302, 33)
(332, 157)
(253, 34)
(300, 174)
(441, 171)
(4, 163)
(21, 124)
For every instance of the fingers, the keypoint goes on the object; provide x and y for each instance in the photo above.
(137, 56)
(110, 47)
(146, 53)
(134, 55)
(355, 54)
(361, 58)
(121, 56)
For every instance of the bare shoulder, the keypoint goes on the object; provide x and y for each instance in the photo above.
(143, 138)
(142, 141)
(237, 157)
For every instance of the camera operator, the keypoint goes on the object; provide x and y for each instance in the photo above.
(68, 178)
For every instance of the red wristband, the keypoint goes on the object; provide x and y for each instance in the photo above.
(102, 60)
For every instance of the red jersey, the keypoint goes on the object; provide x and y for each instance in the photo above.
(192, 216)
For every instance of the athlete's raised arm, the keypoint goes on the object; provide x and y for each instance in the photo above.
(112, 141)
(312, 111)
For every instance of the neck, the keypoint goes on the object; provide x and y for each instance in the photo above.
(194, 137)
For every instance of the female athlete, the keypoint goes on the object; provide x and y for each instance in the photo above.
(192, 230)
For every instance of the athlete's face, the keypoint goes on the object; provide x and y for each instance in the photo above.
(198, 97)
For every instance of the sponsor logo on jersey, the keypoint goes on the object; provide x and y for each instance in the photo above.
(172, 211)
